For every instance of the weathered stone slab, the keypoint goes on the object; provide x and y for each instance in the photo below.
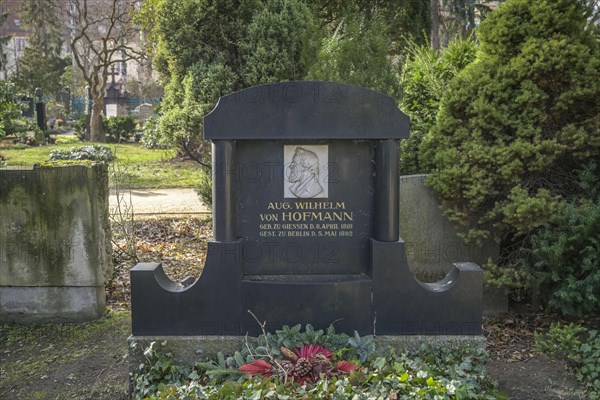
(55, 249)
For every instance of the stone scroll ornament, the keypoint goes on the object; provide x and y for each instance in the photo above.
(306, 225)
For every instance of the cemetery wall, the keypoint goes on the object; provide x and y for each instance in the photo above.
(55, 250)
(432, 242)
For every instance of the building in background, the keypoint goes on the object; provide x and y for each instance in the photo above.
(18, 36)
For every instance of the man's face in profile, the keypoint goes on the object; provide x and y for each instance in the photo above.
(302, 173)
(296, 171)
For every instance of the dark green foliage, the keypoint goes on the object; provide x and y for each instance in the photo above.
(226, 46)
(563, 340)
(425, 76)
(294, 337)
(204, 189)
(517, 123)
(402, 18)
(10, 109)
(589, 371)
(41, 64)
(441, 373)
(406, 19)
(581, 347)
(187, 31)
(357, 53)
(151, 137)
(565, 258)
(188, 98)
(120, 128)
(279, 43)
(206, 49)
(566, 261)
(79, 126)
(40, 70)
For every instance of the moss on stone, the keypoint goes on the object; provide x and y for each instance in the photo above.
(55, 227)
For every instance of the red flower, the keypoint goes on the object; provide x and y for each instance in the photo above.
(311, 350)
(345, 367)
(257, 367)
(306, 364)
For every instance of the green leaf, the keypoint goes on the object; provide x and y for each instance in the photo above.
(239, 359)
(221, 360)
(379, 362)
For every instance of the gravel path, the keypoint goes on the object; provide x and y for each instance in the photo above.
(160, 202)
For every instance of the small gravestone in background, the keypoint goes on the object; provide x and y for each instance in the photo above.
(28, 107)
(115, 100)
(305, 217)
(64, 98)
(40, 112)
(112, 110)
(144, 112)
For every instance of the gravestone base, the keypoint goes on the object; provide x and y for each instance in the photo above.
(188, 350)
(44, 304)
(365, 304)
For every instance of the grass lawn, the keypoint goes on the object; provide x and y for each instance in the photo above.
(136, 165)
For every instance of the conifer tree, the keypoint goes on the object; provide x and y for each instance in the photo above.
(41, 64)
(516, 125)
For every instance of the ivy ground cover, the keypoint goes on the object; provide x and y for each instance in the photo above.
(377, 373)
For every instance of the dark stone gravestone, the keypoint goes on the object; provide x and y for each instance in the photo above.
(115, 101)
(111, 100)
(305, 218)
(29, 108)
(40, 112)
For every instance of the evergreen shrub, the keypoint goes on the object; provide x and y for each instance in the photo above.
(516, 125)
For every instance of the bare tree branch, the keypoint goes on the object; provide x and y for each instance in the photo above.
(102, 35)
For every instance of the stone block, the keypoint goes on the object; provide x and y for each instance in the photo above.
(55, 248)
(44, 304)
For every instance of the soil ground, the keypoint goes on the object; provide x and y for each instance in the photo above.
(89, 361)
(521, 373)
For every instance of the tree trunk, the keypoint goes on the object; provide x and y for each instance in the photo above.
(96, 131)
(435, 24)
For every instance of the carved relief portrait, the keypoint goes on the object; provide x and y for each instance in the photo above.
(304, 175)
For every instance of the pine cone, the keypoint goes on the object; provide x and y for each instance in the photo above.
(321, 364)
(289, 354)
(285, 371)
(303, 367)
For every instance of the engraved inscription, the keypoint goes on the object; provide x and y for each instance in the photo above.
(306, 219)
